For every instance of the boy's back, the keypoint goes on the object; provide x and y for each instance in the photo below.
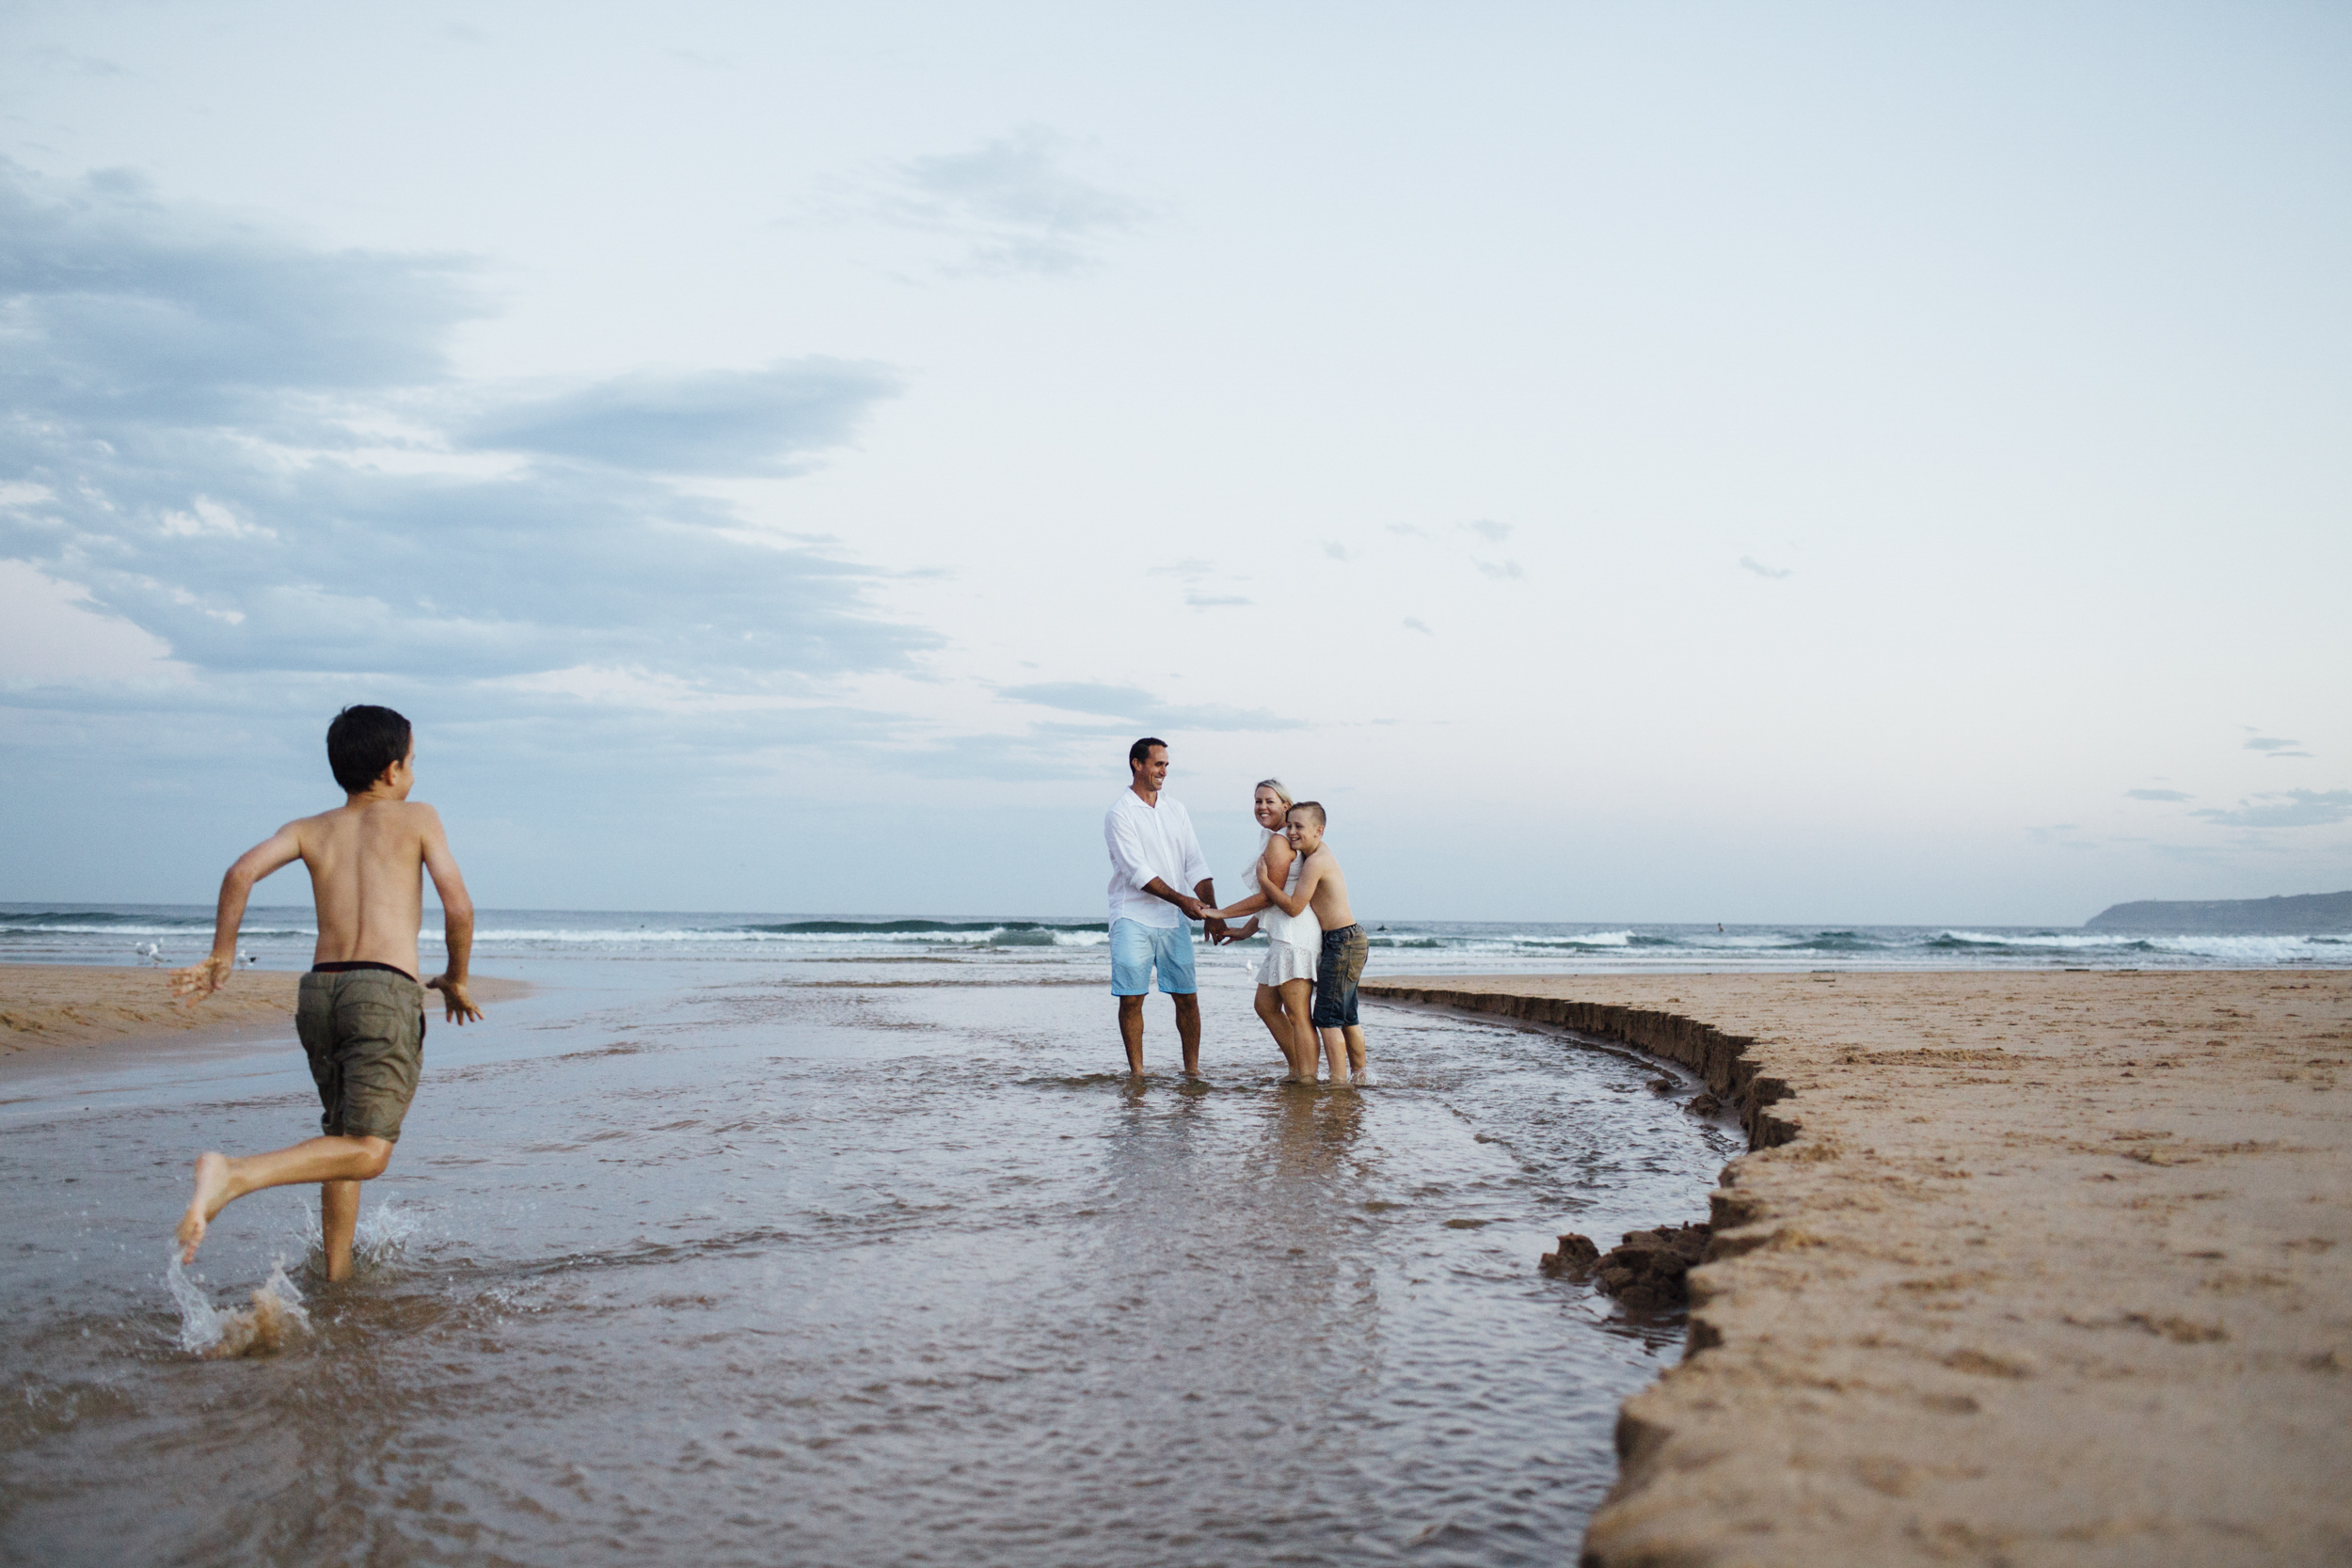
(365, 862)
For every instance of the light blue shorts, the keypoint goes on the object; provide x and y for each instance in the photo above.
(1137, 949)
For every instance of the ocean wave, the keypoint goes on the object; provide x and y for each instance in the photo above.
(1592, 939)
(2069, 941)
(910, 927)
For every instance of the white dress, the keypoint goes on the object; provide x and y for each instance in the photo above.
(1294, 943)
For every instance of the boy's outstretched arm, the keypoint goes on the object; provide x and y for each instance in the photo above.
(198, 981)
(457, 923)
(1307, 883)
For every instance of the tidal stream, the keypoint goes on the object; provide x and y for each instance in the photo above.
(853, 1260)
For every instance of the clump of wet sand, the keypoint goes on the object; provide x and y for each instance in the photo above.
(2028, 1267)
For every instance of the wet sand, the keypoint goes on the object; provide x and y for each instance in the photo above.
(2027, 1268)
(43, 1006)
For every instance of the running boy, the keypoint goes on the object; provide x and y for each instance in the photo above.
(1323, 886)
(361, 1013)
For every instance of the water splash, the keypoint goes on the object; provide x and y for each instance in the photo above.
(277, 1314)
(381, 1237)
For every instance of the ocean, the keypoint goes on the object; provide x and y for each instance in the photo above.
(280, 937)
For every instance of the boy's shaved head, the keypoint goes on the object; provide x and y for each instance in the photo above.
(1313, 808)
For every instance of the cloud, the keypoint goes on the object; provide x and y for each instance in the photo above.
(1749, 563)
(1412, 624)
(2155, 795)
(187, 409)
(1139, 706)
(1013, 201)
(2295, 808)
(1490, 531)
(1500, 569)
(1336, 551)
(715, 422)
(1209, 601)
(2269, 743)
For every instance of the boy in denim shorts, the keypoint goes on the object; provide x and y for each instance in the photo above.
(1323, 887)
(360, 1014)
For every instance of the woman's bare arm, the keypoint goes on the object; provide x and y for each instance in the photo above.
(1257, 901)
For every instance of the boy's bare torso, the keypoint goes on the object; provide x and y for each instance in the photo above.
(1329, 898)
(366, 864)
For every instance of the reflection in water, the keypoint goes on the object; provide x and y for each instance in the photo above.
(708, 1264)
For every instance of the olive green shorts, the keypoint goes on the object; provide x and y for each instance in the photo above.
(364, 1033)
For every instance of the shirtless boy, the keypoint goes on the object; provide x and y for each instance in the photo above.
(1323, 887)
(361, 1013)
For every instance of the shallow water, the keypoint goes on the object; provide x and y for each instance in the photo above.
(732, 1260)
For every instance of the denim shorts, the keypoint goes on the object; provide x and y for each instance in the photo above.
(1336, 977)
(1137, 949)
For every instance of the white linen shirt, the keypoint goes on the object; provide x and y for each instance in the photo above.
(1146, 842)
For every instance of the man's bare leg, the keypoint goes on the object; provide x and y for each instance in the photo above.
(1354, 1048)
(221, 1180)
(1188, 1030)
(1131, 1031)
(1335, 1051)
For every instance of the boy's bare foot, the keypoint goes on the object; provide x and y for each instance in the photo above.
(210, 1197)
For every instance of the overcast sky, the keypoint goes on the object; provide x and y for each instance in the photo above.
(1630, 462)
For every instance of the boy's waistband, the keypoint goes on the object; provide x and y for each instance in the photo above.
(1345, 933)
(347, 967)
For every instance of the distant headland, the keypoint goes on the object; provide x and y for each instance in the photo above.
(2301, 912)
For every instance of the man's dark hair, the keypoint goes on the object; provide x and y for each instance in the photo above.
(1141, 749)
(1316, 809)
(362, 742)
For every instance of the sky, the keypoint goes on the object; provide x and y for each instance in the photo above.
(1827, 463)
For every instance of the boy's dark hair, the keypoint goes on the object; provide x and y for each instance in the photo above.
(1315, 806)
(1141, 749)
(363, 741)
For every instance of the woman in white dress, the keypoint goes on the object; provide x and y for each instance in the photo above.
(1293, 946)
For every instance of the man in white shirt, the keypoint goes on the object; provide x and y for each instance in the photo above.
(1154, 852)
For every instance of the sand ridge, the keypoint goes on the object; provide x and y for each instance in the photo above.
(2051, 1268)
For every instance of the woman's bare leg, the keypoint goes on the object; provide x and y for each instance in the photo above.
(1269, 1006)
(1300, 1050)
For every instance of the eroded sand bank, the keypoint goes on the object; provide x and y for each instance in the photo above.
(83, 1005)
(2038, 1268)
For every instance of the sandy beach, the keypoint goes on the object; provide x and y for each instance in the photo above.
(49, 1006)
(2026, 1268)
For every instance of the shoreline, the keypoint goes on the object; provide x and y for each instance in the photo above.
(61, 1014)
(2020, 1267)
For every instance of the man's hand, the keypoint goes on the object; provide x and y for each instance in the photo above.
(457, 1001)
(1217, 932)
(197, 981)
(1194, 908)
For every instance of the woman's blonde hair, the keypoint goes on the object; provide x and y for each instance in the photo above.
(1280, 789)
